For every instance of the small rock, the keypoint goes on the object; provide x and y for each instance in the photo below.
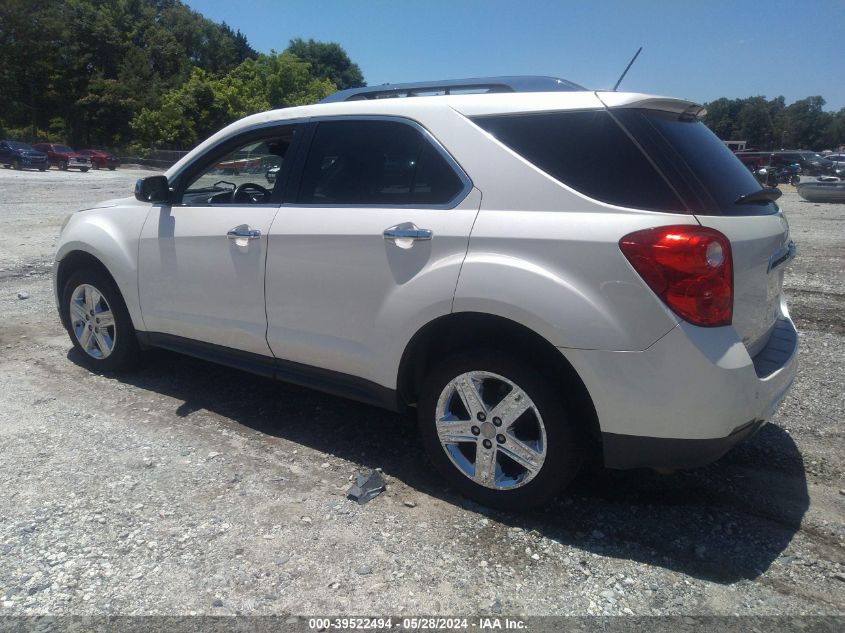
(23, 295)
(608, 595)
(324, 465)
(842, 491)
(217, 602)
(306, 519)
(839, 576)
(409, 504)
(364, 570)
(212, 455)
(535, 556)
(334, 585)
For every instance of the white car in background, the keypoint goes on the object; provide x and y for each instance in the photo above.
(544, 271)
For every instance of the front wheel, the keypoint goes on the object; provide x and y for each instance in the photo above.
(16, 165)
(83, 169)
(63, 165)
(98, 322)
(498, 431)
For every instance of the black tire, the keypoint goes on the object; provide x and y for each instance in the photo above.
(62, 165)
(565, 447)
(95, 165)
(126, 351)
(83, 169)
(6, 166)
(111, 168)
(42, 169)
(16, 165)
(794, 180)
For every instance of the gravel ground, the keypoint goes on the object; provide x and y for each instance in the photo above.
(191, 488)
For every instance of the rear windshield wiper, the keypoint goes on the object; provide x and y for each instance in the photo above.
(769, 194)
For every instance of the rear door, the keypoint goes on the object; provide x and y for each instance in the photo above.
(711, 181)
(368, 249)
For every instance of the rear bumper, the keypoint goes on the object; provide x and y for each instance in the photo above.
(690, 397)
(631, 451)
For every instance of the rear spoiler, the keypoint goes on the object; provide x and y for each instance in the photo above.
(667, 104)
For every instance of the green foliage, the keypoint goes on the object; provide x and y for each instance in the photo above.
(109, 72)
(328, 61)
(771, 124)
(205, 103)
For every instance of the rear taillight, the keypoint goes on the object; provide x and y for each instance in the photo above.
(689, 267)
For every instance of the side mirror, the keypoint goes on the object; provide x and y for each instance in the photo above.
(152, 189)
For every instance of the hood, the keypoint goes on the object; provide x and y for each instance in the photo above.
(31, 153)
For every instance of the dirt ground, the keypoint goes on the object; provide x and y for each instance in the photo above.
(191, 488)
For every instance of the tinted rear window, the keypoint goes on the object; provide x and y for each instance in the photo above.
(588, 151)
(699, 165)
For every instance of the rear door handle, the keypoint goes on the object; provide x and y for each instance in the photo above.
(243, 232)
(407, 231)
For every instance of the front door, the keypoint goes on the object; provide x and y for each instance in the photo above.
(202, 259)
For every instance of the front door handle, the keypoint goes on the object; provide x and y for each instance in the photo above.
(407, 231)
(243, 232)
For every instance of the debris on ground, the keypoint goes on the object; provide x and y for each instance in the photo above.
(367, 486)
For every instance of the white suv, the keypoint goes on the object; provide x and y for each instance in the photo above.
(542, 270)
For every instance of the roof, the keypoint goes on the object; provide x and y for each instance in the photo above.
(512, 83)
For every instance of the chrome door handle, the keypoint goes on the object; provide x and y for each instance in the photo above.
(407, 232)
(241, 232)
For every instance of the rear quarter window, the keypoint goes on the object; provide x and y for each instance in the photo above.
(589, 152)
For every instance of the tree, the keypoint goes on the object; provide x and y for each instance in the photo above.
(205, 103)
(329, 61)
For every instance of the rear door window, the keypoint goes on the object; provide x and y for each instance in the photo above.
(588, 151)
(381, 163)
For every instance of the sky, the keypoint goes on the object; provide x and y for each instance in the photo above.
(697, 51)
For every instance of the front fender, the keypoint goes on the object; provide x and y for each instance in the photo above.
(111, 236)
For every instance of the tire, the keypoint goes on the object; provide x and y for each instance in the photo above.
(111, 168)
(95, 165)
(97, 355)
(42, 169)
(794, 180)
(16, 165)
(83, 169)
(544, 426)
(6, 166)
(62, 165)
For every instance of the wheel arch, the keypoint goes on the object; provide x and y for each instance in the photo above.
(462, 331)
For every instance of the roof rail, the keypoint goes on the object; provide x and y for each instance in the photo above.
(526, 83)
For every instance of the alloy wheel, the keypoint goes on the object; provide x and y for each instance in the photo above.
(92, 321)
(491, 430)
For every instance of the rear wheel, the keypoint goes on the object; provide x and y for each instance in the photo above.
(16, 164)
(95, 165)
(83, 169)
(98, 323)
(111, 168)
(498, 431)
(63, 165)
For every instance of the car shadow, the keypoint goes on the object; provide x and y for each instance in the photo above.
(725, 522)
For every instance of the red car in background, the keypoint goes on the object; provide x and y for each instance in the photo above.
(63, 156)
(100, 158)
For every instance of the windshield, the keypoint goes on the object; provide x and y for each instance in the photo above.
(64, 149)
(17, 145)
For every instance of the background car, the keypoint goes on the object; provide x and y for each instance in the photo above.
(20, 156)
(63, 156)
(101, 159)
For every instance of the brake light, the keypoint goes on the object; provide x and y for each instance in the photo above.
(689, 267)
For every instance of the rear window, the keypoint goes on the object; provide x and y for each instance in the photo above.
(699, 165)
(588, 151)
